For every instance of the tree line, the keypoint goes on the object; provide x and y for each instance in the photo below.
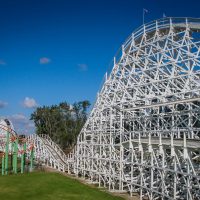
(61, 122)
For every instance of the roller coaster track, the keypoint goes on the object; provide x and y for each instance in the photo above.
(48, 152)
(143, 133)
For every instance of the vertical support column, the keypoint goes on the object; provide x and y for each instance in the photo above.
(32, 159)
(83, 146)
(3, 164)
(92, 154)
(110, 150)
(141, 164)
(11, 153)
(100, 150)
(68, 171)
(7, 152)
(77, 159)
(22, 163)
(121, 152)
(121, 168)
(175, 168)
(188, 181)
(186, 158)
(131, 152)
(173, 156)
(23, 157)
(161, 152)
(15, 153)
(110, 167)
(151, 168)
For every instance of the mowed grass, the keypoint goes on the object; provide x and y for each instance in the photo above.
(48, 186)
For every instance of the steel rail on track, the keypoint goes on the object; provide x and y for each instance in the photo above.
(192, 143)
(158, 104)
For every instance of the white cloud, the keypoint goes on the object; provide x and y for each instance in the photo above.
(2, 62)
(83, 67)
(22, 124)
(3, 104)
(44, 60)
(18, 117)
(29, 103)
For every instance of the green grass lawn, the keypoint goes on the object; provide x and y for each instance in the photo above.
(47, 186)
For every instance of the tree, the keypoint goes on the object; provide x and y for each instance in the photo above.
(61, 122)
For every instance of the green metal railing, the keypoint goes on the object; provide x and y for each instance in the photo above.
(14, 154)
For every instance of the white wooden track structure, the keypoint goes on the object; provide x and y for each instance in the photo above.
(143, 133)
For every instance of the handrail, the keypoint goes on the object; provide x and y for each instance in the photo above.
(50, 141)
(159, 24)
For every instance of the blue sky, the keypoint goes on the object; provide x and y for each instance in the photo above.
(59, 50)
